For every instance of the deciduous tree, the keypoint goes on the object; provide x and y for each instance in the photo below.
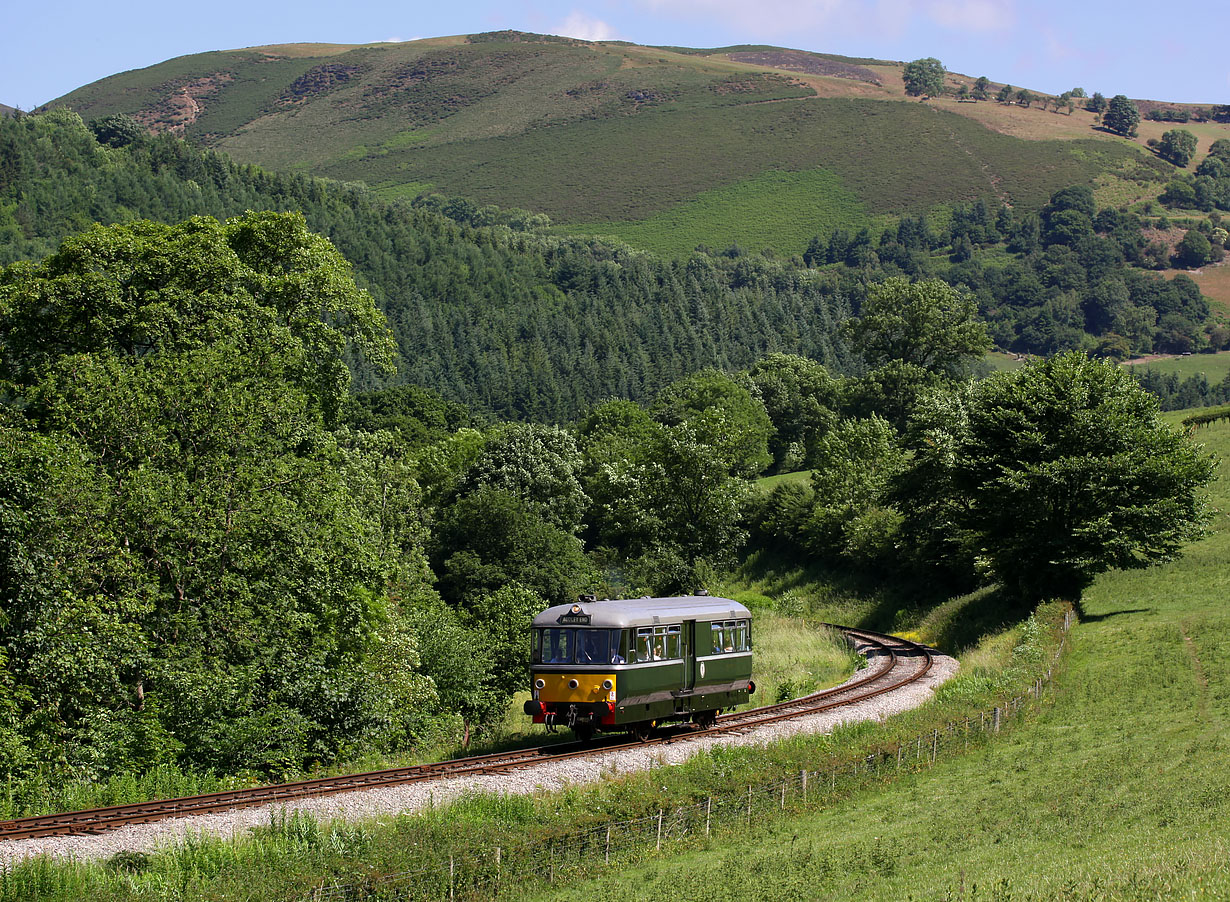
(1066, 469)
(1121, 116)
(924, 76)
(1178, 146)
(928, 324)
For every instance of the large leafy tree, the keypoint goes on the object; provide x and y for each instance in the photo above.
(800, 398)
(1066, 470)
(192, 565)
(664, 498)
(722, 414)
(261, 280)
(924, 76)
(491, 537)
(854, 467)
(928, 324)
(1121, 116)
(538, 464)
(1178, 146)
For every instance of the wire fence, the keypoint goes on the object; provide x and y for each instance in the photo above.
(509, 871)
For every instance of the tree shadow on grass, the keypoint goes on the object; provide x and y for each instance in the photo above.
(1098, 618)
(885, 605)
(962, 623)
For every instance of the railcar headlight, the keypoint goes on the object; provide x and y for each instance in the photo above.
(573, 684)
(540, 683)
(607, 684)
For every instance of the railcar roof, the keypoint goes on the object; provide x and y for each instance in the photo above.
(625, 612)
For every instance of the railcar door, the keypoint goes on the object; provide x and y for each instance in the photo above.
(689, 655)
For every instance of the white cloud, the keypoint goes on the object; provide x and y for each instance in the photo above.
(973, 15)
(585, 27)
(766, 17)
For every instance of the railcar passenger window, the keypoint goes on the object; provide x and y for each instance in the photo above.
(716, 630)
(742, 641)
(644, 643)
(557, 646)
(674, 638)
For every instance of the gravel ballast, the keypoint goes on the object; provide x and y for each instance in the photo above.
(539, 778)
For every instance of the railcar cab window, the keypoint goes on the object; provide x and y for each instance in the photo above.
(730, 636)
(593, 646)
(557, 646)
(565, 645)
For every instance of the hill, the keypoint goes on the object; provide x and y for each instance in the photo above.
(665, 147)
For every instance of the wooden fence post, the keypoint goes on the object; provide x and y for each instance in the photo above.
(804, 786)
(660, 829)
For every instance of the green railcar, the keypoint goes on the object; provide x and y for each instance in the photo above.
(628, 665)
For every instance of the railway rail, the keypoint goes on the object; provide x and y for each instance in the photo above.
(892, 663)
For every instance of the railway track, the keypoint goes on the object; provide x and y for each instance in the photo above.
(892, 663)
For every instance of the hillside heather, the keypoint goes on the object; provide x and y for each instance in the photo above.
(600, 134)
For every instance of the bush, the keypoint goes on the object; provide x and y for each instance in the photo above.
(1194, 250)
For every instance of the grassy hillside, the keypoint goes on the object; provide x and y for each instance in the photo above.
(664, 147)
(1117, 791)
(1215, 366)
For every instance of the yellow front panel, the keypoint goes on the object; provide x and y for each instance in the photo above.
(589, 687)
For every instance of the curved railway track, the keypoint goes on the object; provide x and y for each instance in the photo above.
(892, 663)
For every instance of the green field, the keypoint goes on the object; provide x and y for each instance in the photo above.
(782, 209)
(1118, 790)
(1000, 362)
(768, 483)
(1215, 366)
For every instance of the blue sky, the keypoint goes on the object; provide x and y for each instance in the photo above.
(1124, 47)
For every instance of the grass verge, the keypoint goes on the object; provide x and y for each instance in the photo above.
(793, 657)
(557, 837)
